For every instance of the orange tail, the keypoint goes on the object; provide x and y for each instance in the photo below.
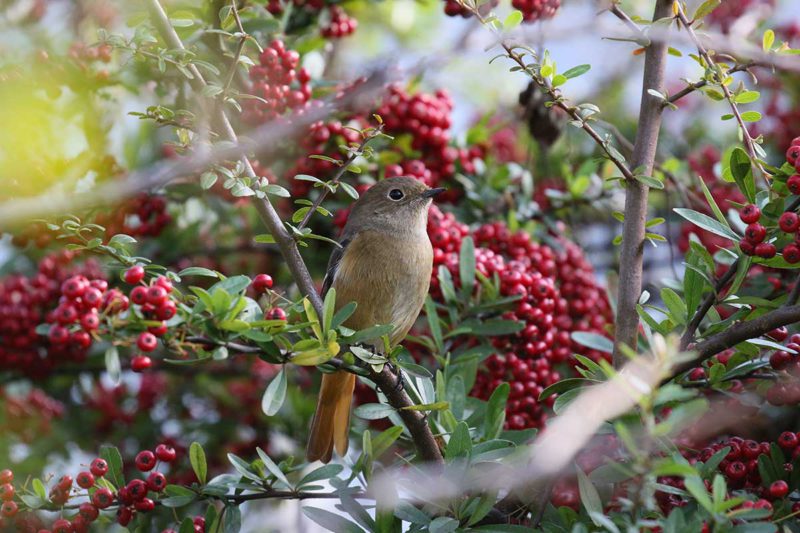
(331, 424)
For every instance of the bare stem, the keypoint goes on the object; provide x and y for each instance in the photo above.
(633, 228)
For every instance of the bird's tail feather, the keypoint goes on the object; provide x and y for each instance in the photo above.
(331, 425)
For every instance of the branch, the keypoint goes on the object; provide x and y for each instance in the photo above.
(741, 67)
(633, 229)
(708, 302)
(239, 48)
(749, 143)
(339, 173)
(416, 422)
(740, 332)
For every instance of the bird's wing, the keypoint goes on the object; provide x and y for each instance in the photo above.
(333, 264)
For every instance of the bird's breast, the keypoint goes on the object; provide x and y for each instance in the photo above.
(387, 277)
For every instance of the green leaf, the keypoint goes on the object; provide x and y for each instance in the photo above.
(277, 190)
(264, 238)
(768, 40)
(594, 341)
(332, 521)
(746, 97)
(466, 266)
(343, 314)
(233, 519)
(512, 20)
(497, 327)
(705, 8)
(751, 116)
(574, 72)
(373, 411)
(562, 385)
(197, 457)
(275, 394)
(742, 173)
(243, 467)
(496, 412)
(707, 223)
(113, 366)
(382, 442)
(459, 444)
(328, 307)
(322, 473)
(650, 181)
(443, 524)
(677, 309)
(589, 496)
(114, 459)
(433, 323)
(272, 467)
(698, 490)
(199, 271)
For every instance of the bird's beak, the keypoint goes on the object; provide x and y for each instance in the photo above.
(430, 193)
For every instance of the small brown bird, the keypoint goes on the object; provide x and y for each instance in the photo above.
(384, 265)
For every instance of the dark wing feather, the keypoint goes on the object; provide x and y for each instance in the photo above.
(333, 264)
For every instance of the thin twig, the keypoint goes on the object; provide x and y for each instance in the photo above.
(708, 302)
(711, 65)
(702, 83)
(334, 181)
(239, 48)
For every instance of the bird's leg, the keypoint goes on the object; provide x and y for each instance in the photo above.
(400, 383)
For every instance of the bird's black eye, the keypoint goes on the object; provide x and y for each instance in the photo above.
(396, 194)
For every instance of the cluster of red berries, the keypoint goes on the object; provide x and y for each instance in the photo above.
(155, 303)
(533, 10)
(740, 469)
(340, 24)
(279, 81)
(81, 52)
(29, 415)
(704, 163)
(145, 216)
(426, 118)
(66, 296)
(558, 296)
(132, 498)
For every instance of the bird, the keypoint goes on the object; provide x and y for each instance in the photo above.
(383, 263)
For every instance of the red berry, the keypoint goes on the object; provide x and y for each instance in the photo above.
(736, 470)
(145, 504)
(156, 295)
(792, 154)
(145, 461)
(64, 482)
(747, 247)
(102, 498)
(134, 275)
(90, 321)
(755, 233)
(788, 440)
(156, 481)
(778, 489)
(58, 335)
(140, 363)
(697, 374)
(159, 330)
(6, 476)
(791, 253)
(146, 342)
(139, 295)
(74, 287)
(8, 509)
(262, 282)
(750, 214)
(88, 511)
(124, 516)
(62, 525)
(166, 310)
(276, 313)
(99, 467)
(793, 183)
(789, 222)
(766, 250)
(137, 489)
(6, 492)
(165, 453)
(779, 334)
(85, 480)
(164, 282)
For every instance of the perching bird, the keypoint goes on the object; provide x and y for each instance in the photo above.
(384, 265)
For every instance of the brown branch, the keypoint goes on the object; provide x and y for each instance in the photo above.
(738, 333)
(633, 229)
(416, 421)
(702, 83)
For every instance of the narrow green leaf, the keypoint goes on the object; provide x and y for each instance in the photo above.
(197, 457)
(274, 394)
